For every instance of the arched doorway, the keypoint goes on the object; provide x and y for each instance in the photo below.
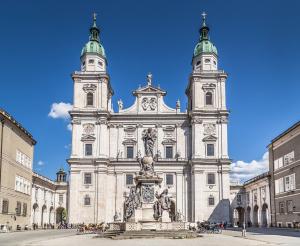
(264, 218)
(255, 215)
(238, 216)
(43, 217)
(60, 215)
(248, 216)
(51, 215)
(35, 208)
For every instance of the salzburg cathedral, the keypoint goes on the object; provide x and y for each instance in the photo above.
(149, 162)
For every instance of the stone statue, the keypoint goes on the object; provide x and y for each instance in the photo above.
(163, 202)
(149, 136)
(132, 202)
(120, 104)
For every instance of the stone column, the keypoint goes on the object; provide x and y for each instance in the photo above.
(179, 192)
(199, 180)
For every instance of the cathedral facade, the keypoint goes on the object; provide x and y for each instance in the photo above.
(190, 150)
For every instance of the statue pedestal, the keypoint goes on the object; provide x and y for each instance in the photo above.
(165, 216)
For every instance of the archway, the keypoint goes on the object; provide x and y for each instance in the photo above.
(238, 216)
(60, 215)
(35, 208)
(255, 216)
(248, 216)
(264, 218)
(43, 217)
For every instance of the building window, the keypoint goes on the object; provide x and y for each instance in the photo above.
(88, 149)
(5, 204)
(24, 209)
(198, 63)
(289, 182)
(87, 200)
(208, 98)
(238, 199)
(129, 179)
(211, 200)
(100, 63)
(60, 198)
(289, 206)
(169, 179)
(91, 61)
(211, 180)
(210, 149)
(89, 99)
(288, 158)
(87, 178)
(207, 60)
(281, 207)
(169, 152)
(129, 152)
(248, 197)
(83, 63)
(255, 197)
(18, 209)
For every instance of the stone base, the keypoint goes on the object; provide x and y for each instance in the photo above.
(165, 217)
(148, 225)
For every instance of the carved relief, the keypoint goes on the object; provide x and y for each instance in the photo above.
(209, 129)
(149, 104)
(88, 128)
(196, 120)
(89, 88)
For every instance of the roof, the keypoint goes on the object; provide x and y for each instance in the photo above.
(7, 116)
(286, 132)
(261, 176)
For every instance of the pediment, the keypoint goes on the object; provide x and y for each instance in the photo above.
(209, 138)
(149, 89)
(86, 138)
(129, 142)
(168, 141)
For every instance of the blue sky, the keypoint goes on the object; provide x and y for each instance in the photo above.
(257, 43)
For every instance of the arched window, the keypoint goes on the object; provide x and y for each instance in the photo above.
(208, 98)
(90, 99)
(87, 200)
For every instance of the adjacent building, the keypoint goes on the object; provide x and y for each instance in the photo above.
(284, 165)
(191, 150)
(250, 202)
(16, 156)
(49, 200)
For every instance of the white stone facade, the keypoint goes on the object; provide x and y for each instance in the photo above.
(250, 202)
(49, 199)
(191, 149)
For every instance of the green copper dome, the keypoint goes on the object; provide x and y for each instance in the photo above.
(94, 45)
(204, 45)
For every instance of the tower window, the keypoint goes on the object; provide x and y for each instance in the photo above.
(60, 198)
(89, 99)
(169, 179)
(210, 149)
(211, 201)
(91, 61)
(215, 63)
(169, 152)
(208, 98)
(211, 179)
(129, 179)
(198, 63)
(88, 149)
(87, 178)
(87, 200)
(207, 60)
(83, 63)
(129, 151)
(100, 63)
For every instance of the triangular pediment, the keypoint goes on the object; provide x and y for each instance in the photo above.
(86, 138)
(209, 138)
(149, 89)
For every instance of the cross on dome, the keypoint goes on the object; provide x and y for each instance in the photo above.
(203, 18)
(149, 79)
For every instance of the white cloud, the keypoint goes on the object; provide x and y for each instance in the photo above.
(41, 163)
(60, 110)
(243, 171)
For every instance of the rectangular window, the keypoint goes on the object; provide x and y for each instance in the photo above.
(5, 206)
(239, 199)
(169, 179)
(281, 207)
(88, 149)
(210, 149)
(289, 206)
(248, 197)
(87, 178)
(91, 61)
(129, 151)
(61, 198)
(289, 182)
(169, 152)
(129, 179)
(288, 158)
(24, 209)
(18, 209)
(87, 200)
(255, 196)
(211, 201)
(211, 180)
